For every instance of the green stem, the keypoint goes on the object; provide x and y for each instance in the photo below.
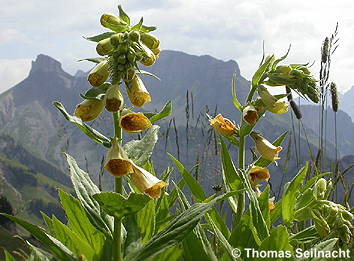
(118, 188)
(241, 153)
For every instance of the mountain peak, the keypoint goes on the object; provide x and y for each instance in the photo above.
(45, 63)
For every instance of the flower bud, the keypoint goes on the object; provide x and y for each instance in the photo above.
(104, 47)
(265, 95)
(99, 74)
(111, 21)
(279, 107)
(156, 51)
(265, 148)
(137, 93)
(149, 40)
(250, 115)
(114, 99)
(271, 204)
(116, 39)
(146, 182)
(223, 126)
(148, 61)
(134, 36)
(129, 74)
(149, 57)
(89, 110)
(134, 122)
(117, 162)
(320, 188)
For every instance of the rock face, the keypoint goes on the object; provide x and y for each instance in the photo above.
(346, 102)
(45, 63)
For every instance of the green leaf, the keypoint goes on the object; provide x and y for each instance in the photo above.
(147, 73)
(328, 245)
(262, 162)
(96, 93)
(264, 205)
(262, 70)
(305, 236)
(140, 150)
(8, 256)
(165, 112)
(79, 222)
(192, 183)
(90, 132)
(232, 140)
(38, 254)
(94, 60)
(85, 189)
(123, 15)
(242, 235)
(147, 29)
(100, 37)
(171, 254)
(278, 240)
(234, 98)
(118, 206)
(176, 230)
(138, 26)
(71, 240)
(58, 249)
(146, 221)
(289, 196)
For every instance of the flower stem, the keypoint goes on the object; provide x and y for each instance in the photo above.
(241, 153)
(118, 188)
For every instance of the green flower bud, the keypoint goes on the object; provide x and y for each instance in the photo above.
(279, 107)
(134, 36)
(131, 57)
(129, 75)
(99, 74)
(116, 39)
(283, 69)
(104, 47)
(156, 51)
(148, 61)
(121, 59)
(320, 188)
(123, 48)
(149, 40)
(112, 22)
(265, 95)
(114, 99)
(89, 110)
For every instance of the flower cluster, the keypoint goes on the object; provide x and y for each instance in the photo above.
(120, 51)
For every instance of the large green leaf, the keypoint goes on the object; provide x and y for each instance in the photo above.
(100, 37)
(306, 235)
(85, 189)
(193, 184)
(140, 150)
(93, 59)
(289, 196)
(123, 15)
(57, 248)
(90, 132)
(117, 205)
(96, 93)
(165, 112)
(278, 241)
(171, 254)
(328, 245)
(146, 221)
(79, 222)
(176, 230)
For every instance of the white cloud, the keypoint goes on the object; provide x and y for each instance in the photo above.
(12, 72)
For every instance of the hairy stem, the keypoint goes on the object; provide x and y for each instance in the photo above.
(118, 187)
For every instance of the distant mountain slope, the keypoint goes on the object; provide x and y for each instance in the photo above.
(347, 102)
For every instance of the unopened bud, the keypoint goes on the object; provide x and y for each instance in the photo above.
(149, 40)
(116, 39)
(89, 110)
(320, 189)
(104, 47)
(99, 74)
(112, 22)
(134, 36)
(279, 107)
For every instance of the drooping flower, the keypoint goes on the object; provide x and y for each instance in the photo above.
(146, 182)
(265, 148)
(223, 125)
(114, 99)
(279, 107)
(137, 93)
(88, 110)
(250, 114)
(134, 122)
(99, 74)
(259, 173)
(117, 162)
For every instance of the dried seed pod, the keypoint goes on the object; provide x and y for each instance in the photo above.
(88, 110)
(334, 96)
(104, 47)
(137, 93)
(114, 99)
(296, 109)
(99, 74)
(117, 162)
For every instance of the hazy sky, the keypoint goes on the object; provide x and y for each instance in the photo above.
(229, 29)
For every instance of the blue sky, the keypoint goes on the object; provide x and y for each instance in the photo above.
(229, 29)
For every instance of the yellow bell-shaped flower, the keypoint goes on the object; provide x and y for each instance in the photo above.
(88, 110)
(137, 93)
(134, 122)
(223, 126)
(265, 148)
(117, 162)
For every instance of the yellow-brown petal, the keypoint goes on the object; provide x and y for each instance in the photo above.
(89, 110)
(137, 92)
(223, 126)
(117, 163)
(259, 173)
(250, 114)
(133, 122)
